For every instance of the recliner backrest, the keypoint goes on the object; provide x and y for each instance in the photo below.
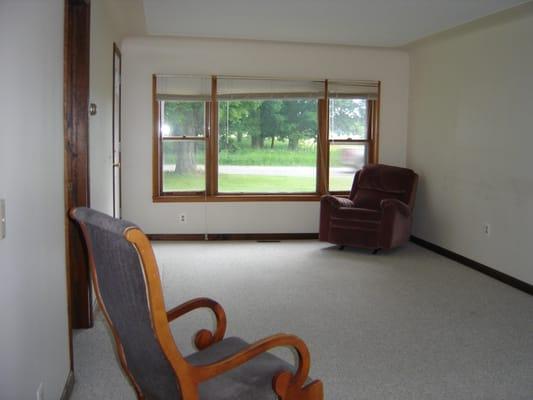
(118, 278)
(377, 182)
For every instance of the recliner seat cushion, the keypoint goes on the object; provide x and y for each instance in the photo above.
(357, 214)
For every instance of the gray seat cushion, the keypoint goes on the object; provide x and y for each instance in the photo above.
(250, 381)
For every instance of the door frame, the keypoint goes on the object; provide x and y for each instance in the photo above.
(76, 158)
(116, 133)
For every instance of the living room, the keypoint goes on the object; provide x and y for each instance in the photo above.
(454, 106)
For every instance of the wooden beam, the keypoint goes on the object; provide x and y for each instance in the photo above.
(76, 154)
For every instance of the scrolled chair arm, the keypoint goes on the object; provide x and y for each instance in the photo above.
(286, 385)
(203, 338)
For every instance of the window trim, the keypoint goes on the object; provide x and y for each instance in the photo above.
(371, 141)
(211, 158)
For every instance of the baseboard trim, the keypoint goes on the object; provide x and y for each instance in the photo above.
(175, 236)
(262, 236)
(493, 273)
(69, 386)
(234, 236)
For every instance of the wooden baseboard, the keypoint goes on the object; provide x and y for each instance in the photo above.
(262, 236)
(69, 386)
(493, 273)
(175, 236)
(234, 236)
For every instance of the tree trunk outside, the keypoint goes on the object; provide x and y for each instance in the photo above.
(185, 157)
(185, 149)
(257, 142)
(293, 143)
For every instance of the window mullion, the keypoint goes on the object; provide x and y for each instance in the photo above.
(157, 164)
(374, 125)
(370, 130)
(323, 144)
(212, 145)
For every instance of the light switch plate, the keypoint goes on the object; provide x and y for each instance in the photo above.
(2, 219)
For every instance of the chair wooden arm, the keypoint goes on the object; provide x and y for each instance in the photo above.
(286, 385)
(203, 338)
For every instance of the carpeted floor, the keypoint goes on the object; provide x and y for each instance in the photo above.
(402, 325)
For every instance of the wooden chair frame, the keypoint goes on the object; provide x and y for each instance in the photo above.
(286, 385)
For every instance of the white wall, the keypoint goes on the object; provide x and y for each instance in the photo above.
(143, 57)
(33, 312)
(471, 140)
(103, 35)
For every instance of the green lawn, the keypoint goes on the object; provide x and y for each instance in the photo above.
(279, 157)
(305, 156)
(250, 183)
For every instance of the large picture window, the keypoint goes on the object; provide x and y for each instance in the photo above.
(267, 136)
(226, 138)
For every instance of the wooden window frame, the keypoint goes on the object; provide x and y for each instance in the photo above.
(162, 140)
(371, 141)
(211, 193)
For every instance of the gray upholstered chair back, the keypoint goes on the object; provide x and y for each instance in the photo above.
(121, 287)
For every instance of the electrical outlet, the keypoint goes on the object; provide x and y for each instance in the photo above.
(40, 392)
(486, 229)
(182, 219)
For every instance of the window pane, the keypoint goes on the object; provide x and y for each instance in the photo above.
(267, 146)
(183, 166)
(344, 161)
(348, 119)
(183, 118)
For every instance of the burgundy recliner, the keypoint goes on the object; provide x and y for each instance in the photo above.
(377, 214)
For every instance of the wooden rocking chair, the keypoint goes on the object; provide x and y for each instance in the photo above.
(128, 288)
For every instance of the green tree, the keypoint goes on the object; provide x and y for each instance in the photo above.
(270, 120)
(258, 120)
(239, 119)
(184, 118)
(299, 121)
(348, 117)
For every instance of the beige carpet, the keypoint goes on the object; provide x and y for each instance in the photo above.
(407, 324)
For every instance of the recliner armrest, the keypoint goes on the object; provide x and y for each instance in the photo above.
(337, 202)
(397, 205)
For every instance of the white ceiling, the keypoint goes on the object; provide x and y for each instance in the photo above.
(387, 23)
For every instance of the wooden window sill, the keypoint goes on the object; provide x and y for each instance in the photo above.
(235, 198)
